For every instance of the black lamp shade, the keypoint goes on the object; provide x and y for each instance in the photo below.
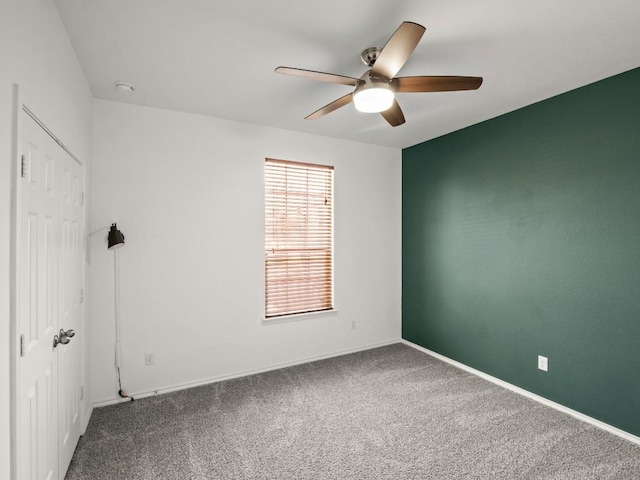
(116, 238)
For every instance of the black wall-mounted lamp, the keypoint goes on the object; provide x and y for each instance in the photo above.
(116, 238)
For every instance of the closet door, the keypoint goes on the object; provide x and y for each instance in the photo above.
(48, 296)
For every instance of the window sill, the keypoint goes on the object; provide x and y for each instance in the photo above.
(298, 317)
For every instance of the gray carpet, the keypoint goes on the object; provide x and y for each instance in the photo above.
(389, 413)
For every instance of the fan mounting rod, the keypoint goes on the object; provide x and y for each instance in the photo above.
(370, 55)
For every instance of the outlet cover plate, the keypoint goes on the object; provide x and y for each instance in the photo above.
(543, 363)
(149, 358)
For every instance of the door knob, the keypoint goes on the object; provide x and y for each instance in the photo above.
(63, 337)
(57, 340)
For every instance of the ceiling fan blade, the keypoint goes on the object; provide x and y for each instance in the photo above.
(336, 104)
(398, 50)
(319, 76)
(435, 84)
(394, 114)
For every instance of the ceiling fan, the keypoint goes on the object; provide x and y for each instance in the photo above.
(375, 90)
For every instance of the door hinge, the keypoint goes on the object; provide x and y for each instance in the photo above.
(81, 198)
(22, 345)
(81, 392)
(23, 166)
(82, 295)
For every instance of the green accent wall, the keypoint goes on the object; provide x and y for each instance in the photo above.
(521, 236)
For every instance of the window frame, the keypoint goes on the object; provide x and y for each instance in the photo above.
(324, 283)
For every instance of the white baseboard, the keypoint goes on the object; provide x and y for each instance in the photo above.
(580, 416)
(221, 378)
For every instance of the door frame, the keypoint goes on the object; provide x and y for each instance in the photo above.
(14, 339)
(18, 106)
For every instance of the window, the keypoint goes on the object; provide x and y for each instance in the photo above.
(298, 257)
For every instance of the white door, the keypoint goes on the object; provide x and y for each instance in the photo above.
(71, 298)
(48, 269)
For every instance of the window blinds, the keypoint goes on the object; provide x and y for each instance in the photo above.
(298, 238)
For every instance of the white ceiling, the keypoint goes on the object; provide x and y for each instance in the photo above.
(216, 57)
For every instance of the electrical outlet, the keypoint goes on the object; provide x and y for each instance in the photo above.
(543, 363)
(149, 358)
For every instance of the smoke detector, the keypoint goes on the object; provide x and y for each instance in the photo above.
(124, 87)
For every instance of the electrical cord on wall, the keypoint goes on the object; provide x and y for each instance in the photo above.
(116, 298)
(121, 392)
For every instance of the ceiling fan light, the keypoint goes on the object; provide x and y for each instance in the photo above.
(374, 99)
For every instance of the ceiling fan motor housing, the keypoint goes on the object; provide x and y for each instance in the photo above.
(370, 80)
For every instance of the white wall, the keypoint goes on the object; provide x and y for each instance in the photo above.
(187, 191)
(36, 54)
